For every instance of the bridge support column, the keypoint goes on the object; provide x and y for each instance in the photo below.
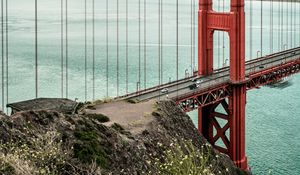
(233, 23)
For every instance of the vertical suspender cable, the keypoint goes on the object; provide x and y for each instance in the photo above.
(126, 46)
(292, 29)
(145, 44)
(278, 26)
(177, 43)
(223, 47)
(7, 78)
(194, 35)
(62, 47)
(271, 26)
(118, 48)
(191, 13)
(107, 73)
(2, 63)
(93, 48)
(281, 18)
(67, 54)
(139, 43)
(261, 28)
(219, 42)
(295, 23)
(159, 59)
(36, 52)
(250, 35)
(161, 43)
(287, 25)
(85, 53)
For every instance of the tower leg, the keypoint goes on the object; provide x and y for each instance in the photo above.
(237, 103)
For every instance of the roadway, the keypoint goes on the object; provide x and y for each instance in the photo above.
(219, 76)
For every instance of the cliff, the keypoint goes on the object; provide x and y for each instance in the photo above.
(110, 138)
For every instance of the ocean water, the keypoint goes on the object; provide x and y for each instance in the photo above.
(273, 134)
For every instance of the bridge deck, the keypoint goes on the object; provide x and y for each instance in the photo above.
(219, 77)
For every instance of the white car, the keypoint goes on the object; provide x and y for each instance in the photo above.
(164, 91)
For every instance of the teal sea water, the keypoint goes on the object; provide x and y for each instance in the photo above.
(273, 134)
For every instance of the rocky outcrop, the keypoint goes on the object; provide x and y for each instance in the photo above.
(93, 147)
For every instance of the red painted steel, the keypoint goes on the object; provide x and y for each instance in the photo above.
(233, 23)
(207, 100)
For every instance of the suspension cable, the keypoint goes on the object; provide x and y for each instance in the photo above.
(126, 47)
(62, 47)
(194, 35)
(223, 47)
(145, 44)
(139, 79)
(177, 43)
(161, 42)
(271, 26)
(279, 26)
(295, 23)
(36, 50)
(219, 42)
(191, 15)
(85, 52)
(159, 52)
(7, 49)
(2, 45)
(287, 25)
(261, 28)
(291, 33)
(107, 73)
(67, 54)
(251, 30)
(93, 20)
(118, 54)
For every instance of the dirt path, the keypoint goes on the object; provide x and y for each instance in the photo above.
(133, 117)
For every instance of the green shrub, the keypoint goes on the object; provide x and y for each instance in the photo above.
(89, 148)
(99, 117)
(186, 160)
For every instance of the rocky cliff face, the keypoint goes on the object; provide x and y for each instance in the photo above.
(94, 143)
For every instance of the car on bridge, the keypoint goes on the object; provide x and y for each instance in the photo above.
(196, 84)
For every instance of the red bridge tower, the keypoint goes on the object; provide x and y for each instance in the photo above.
(233, 23)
